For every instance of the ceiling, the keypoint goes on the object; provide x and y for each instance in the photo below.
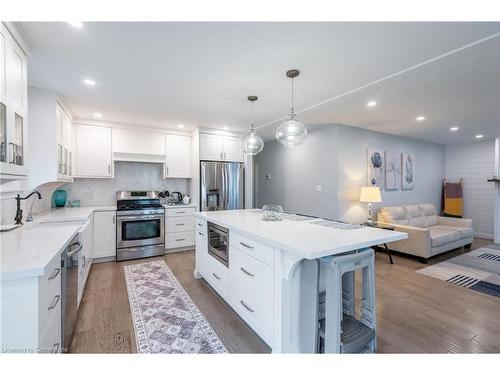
(199, 74)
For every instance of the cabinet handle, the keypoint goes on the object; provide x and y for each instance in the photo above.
(113, 219)
(56, 347)
(180, 212)
(225, 156)
(247, 272)
(54, 274)
(201, 234)
(200, 224)
(109, 168)
(247, 246)
(180, 239)
(246, 306)
(55, 302)
(221, 157)
(167, 171)
(84, 261)
(215, 275)
(180, 224)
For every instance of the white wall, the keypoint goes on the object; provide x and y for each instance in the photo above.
(335, 157)
(475, 163)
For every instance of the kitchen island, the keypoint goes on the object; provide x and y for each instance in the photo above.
(270, 274)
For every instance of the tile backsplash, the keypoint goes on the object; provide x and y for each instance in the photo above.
(128, 176)
(98, 191)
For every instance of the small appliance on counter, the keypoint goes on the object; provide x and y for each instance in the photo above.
(140, 225)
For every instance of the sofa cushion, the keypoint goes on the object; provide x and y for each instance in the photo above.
(443, 236)
(394, 214)
(465, 232)
(429, 213)
(421, 215)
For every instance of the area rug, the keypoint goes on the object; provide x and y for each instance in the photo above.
(165, 318)
(477, 270)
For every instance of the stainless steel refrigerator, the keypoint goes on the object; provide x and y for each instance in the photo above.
(222, 186)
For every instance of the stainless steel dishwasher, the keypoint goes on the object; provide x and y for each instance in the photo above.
(69, 289)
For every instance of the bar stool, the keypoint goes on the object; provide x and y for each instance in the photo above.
(339, 330)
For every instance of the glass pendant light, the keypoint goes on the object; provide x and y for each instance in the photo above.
(292, 132)
(252, 142)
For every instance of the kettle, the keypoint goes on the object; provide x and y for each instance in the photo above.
(176, 196)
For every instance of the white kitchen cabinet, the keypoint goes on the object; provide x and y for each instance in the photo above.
(177, 156)
(130, 141)
(13, 103)
(31, 311)
(104, 234)
(232, 149)
(50, 140)
(220, 147)
(85, 256)
(93, 151)
(201, 253)
(179, 228)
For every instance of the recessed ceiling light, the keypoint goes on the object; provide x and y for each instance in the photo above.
(454, 128)
(180, 126)
(89, 82)
(420, 118)
(371, 103)
(98, 115)
(77, 24)
(479, 136)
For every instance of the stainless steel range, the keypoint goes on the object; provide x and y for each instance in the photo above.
(140, 225)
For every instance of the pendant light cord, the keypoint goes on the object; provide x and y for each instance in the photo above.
(292, 113)
(252, 117)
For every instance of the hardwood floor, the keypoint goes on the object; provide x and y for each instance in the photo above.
(415, 313)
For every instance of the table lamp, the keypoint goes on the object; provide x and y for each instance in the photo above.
(370, 194)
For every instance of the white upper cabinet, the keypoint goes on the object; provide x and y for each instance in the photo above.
(50, 139)
(93, 151)
(232, 149)
(177, 156)
(128, 141)
(220, 148)
(13, 107)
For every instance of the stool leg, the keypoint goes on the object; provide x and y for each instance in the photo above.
(348, 293)
(388, 253)
(333, 310)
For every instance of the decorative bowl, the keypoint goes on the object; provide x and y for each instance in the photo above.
(272, 212)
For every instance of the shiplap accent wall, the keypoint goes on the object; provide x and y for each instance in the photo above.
(475, 163)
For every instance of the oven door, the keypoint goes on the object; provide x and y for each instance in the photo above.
(140, 230)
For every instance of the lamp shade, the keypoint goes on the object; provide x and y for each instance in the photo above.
(370, 194)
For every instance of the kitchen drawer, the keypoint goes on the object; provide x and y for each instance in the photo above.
(218, 276)
(201, 225)
(258, 250)
(179, 224)
(253, 310)
(49, 294)
(179, 211)
(251, 274)
(51, 340)
(181, 239)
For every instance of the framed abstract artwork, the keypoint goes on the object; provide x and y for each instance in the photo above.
(392, 170)
(375, 167)
(407, 171)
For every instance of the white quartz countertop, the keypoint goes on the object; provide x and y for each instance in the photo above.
(180, 205)
(300, 237)
(26, 251)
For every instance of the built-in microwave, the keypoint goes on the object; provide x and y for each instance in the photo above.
(218, 243)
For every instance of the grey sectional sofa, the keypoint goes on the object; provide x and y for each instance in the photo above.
(428, 233)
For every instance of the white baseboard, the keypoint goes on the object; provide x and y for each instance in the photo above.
(486, 236)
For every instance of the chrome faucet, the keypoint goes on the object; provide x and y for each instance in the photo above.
(19, 213)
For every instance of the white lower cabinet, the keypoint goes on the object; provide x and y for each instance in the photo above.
(85, 256)
(104, 234)
(179, 228)
(31, 312)
(247, 284)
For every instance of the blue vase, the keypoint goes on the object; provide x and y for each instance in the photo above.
(59, 198)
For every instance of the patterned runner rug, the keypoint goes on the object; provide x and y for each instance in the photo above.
(478, 270)
(165, 318)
